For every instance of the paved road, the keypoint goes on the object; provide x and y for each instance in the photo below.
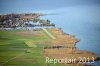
(45, 30)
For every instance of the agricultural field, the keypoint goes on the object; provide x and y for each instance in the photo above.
(17, 48)
(23, 48)
(26, 48)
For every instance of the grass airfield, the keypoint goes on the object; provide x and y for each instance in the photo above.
(21, 49)
(26, 48)
(14, 50)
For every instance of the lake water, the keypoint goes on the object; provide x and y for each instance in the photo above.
(82, 21)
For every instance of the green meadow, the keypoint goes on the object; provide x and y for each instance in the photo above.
(20, 50)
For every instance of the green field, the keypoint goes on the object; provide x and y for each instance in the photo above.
(19, 50)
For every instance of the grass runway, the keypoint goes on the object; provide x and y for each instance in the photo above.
(14, 47)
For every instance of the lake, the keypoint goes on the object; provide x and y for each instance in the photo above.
(81, 21)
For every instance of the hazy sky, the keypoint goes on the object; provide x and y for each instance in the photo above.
(9, 6)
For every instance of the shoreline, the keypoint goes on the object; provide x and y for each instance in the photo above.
(62, 46)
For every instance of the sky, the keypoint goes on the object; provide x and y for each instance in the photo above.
(13, 6)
